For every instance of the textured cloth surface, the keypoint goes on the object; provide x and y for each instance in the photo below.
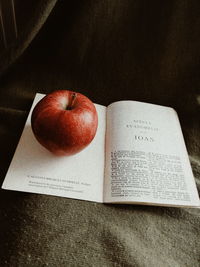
(108, 50)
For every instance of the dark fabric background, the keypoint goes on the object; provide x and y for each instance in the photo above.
(108, 50)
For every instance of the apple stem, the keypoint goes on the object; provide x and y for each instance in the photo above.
(71, 103)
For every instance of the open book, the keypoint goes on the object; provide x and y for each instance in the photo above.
(138, 156)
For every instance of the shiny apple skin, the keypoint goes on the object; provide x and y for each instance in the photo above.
(61, 130)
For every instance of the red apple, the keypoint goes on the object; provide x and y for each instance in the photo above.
(64, 122)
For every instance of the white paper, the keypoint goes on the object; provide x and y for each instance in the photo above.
(146, 157)
(34, 169)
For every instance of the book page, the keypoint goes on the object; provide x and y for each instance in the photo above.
(34, 169)
(146, 157)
